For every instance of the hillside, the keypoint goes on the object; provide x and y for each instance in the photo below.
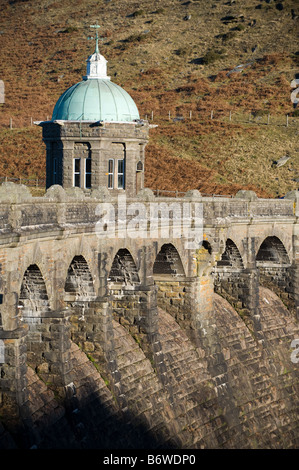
(176, 59)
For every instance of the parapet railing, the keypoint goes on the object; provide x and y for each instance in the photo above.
(171, 193)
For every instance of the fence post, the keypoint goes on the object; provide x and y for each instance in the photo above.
(169, 115)
(287, 120)
(190, 114)
(31, 121)
(152, 115)
(230, 115)
(10, 123)
(212, 112)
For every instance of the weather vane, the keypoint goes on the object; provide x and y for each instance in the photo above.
(96, 26)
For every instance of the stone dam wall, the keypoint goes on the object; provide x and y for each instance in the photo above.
(120, 342)
(230, 392)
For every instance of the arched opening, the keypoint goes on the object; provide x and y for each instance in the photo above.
(231, 257)
(169, 276)
(168, 264)
(33, 304)
(272, 251)
(123, 282)
(79, 292)
(274, 265)
(123, 270)
(33, 299)
(79, 284)
(230, 280)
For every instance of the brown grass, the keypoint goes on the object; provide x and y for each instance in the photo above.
(163, 74)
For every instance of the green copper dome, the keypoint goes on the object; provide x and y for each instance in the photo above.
(95, 99)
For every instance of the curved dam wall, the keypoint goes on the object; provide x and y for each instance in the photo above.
(229, 393)
(123, 342)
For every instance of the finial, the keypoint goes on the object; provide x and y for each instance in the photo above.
(97, 26)
(96, 63)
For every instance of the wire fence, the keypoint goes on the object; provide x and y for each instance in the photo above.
(20, 122)
(41, 183)
(250, 117)
(31, 182)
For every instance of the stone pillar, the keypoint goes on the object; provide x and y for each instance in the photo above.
(55, 350)
(13, 383)
(98, 169)
(132, 157)
(201, 293)
(249, 295)
(294, 269)
(96, 335)
(67, 164)
(147, 315)
(294, 273)
(49, 176)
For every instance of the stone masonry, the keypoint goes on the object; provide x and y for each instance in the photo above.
(63, 283)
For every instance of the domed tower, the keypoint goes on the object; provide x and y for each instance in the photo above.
(95, 137)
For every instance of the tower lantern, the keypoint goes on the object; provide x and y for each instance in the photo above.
(95, 137)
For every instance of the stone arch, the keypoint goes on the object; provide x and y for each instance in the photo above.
(231, 257)
(33, 298)
(36, 256)
(275, 236)
(275, 272)
(168, 263)
(80, 247)
(230, 279)
(33, 307)
(123, 269)
(273, 251)
(207, 246)
(79, 284)
(123, 284)
(170, 279)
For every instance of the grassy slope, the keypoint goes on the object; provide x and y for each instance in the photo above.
(156, 55)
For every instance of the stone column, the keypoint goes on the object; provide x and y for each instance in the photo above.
(67, 164)
(55, 350)
(249, 295)
(49, 176)
(132, 157)
(13, 382)
(294, 269)
(97, 339)
(98, 172)
(201, 291)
